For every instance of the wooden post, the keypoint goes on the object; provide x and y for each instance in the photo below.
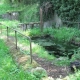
(32, 25)
(7, 33)
(30, 50)
(16, 38)
(26, 27)
(1, 28)
(41, 19)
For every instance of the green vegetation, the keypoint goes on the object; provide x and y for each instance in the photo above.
(29, 14)
(75, 76)
(67, 10)
(39, 72)
(61, 37)
(8, 69)
(11, 24)
(4, 8)
(62, 34)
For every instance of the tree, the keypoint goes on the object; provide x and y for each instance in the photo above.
(67, 10)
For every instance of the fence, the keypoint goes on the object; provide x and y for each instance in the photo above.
(1, 29)
(27, 37)
(16, 41)
(25, 25)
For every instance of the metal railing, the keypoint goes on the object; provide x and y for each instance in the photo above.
(27, 37)
(25, 25)
(1, 28)
(16, 41)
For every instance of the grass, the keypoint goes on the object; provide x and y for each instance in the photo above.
(62, 34)
(22, 41)
(61, 37)
(29, 14)
(35, 48)
(8, 69)
(4, 8)
(75, 76)
(11, 24)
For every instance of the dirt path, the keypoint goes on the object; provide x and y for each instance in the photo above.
(52, 70)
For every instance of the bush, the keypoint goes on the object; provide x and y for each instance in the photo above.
(39, 72)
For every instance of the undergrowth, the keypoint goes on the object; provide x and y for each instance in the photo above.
(62, 34)
(29, 14)
(61, 37)
(8, 69)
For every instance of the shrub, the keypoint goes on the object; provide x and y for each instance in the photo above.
(39, 72)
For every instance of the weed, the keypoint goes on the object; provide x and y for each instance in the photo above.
(8, 69)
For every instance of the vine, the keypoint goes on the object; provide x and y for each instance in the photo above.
(67, 10)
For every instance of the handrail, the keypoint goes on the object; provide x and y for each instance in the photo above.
(1, 28)
(17, 41)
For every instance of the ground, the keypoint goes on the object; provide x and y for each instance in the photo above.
(21, 59)
(52, 70)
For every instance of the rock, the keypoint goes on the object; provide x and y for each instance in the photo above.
(74, 65)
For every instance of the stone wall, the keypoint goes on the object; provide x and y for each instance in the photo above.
(11, 15)
(54, 21)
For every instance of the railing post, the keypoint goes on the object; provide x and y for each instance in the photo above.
(41, 19)
(26, 27)
(78, 25)
(1, 28)
(16, 38)
(7, 33)
(30, 49)
(32, 25)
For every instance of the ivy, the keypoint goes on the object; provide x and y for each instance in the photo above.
(67, 10)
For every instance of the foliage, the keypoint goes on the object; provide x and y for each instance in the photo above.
(32, 32)
(62, 61)
(29, 14)
(75, 76)
(12, 24)
(61, 37)
(64, 34)
(39, 72)
(3, 48)
(18, 2)
(68, 10)
(4, 8)
(8, 69)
